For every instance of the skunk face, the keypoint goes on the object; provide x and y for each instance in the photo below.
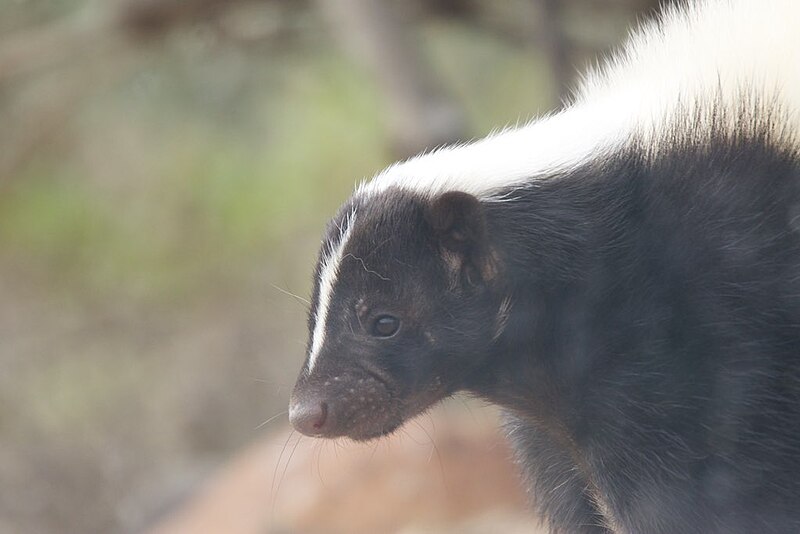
(401, 312)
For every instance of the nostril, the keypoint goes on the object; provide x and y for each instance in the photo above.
(323, 415)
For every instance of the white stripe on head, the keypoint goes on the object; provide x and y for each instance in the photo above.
(327, 279)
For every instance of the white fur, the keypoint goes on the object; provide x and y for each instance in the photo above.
(327, 281)
(713, 52)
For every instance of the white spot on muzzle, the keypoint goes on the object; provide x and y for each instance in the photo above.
(327, 279)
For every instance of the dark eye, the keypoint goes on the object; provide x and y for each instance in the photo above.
(385, 326)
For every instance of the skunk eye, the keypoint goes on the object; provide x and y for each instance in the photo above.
(385, 326)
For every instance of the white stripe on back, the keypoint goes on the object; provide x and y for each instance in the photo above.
(687, 63)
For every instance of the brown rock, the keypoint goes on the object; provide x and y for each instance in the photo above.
(440, 474)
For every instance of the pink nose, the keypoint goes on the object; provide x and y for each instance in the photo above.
(310, 417)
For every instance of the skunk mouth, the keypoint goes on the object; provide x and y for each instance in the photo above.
(369, 435)
(408, 411)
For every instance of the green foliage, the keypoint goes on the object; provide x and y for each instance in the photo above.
(219, 203)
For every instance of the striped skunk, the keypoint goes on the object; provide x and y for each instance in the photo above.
(622, 277)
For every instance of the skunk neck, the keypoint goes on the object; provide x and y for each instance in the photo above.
(551, 238)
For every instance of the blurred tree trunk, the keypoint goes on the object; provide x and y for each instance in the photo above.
(420, 114)
(555, 45)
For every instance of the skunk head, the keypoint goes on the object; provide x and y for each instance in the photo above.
(401, 312)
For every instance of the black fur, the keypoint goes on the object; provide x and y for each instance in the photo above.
(650, 361)
(655, 338)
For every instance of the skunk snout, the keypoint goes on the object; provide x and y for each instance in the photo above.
(352, 404)
(312, 416)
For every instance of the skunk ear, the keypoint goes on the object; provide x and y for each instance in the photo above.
(457, 221)
(459, 227)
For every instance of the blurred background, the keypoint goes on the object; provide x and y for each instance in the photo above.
(166, 170)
